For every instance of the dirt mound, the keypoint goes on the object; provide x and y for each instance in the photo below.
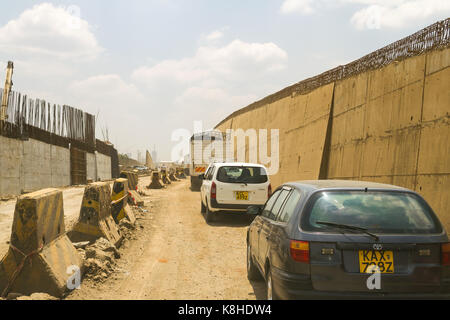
(38, 296)
(98, 259)
(34, 296)
(126, 228)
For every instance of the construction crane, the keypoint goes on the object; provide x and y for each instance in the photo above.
(6, 91)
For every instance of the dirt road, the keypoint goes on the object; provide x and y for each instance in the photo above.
(178, 256)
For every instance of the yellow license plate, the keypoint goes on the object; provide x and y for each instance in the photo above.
(241, 195)
(382, 260)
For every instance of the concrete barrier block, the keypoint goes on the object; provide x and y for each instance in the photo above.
(120, 208)
(132, 178)
(95, 220)
(40, 252)
(156, 181)
(135, 198)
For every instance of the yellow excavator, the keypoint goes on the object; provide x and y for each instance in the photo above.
(6, 91)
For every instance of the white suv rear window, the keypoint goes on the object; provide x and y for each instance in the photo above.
(244, 174)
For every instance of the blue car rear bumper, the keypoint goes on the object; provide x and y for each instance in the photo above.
(289, 286)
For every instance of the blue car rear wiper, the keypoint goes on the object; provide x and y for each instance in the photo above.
(348, 227)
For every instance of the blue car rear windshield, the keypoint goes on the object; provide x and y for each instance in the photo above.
(244, 174)
(377, 211)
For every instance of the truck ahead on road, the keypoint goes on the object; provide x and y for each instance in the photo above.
(203, 153)
(166, 164)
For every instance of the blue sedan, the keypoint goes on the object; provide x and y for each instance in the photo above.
(348, 239)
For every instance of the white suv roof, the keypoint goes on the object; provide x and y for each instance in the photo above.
(237, 164)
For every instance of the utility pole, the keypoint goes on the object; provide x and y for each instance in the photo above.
(6, 91)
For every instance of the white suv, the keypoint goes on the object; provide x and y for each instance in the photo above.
(233, 187)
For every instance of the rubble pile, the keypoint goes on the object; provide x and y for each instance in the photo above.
(99, 257)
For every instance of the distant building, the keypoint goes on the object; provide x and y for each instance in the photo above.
(154, 156)
(139, 156)
(149, 161)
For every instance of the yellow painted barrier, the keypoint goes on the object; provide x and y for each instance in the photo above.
(180, 173)
(119, 206)
(172, 176)
(156, 181)
(132, 178)
(40, 252)
(165, 177)
(135, 199)
(95, 220)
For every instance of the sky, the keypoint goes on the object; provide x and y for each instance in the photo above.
(149, 68)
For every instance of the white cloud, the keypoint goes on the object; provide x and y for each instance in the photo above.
(220, 77)
(397, 14)
(210, 103)
(375, 14)
(238, 61)
(182, 71)
(214, 36)
(211, 84)
(373, 2)
(109, 88)
(120, 105)
(49, 43)
(110, 95)
(49, 31)
(297, 6)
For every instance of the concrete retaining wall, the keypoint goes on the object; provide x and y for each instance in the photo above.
(103, 167)
(32, 165)
(60, 166)
(91, 163)
(302, 122)
(11, 154)
(36, 165)
(390, 125)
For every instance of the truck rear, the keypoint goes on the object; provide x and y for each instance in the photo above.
(200, 160)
